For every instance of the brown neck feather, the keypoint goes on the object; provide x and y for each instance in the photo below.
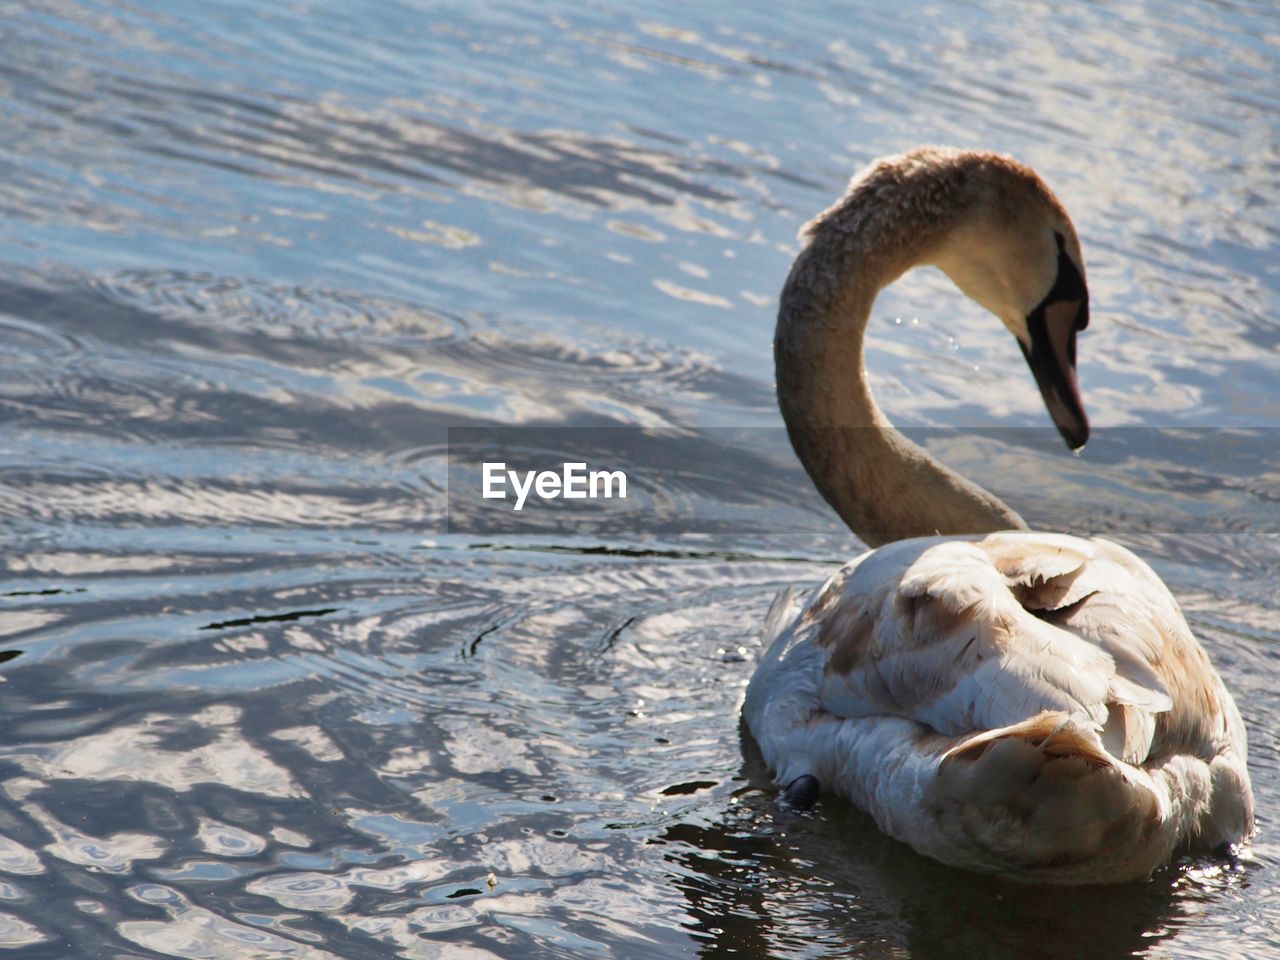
(882, 485)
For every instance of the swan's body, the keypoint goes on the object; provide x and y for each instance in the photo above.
(1027, 704)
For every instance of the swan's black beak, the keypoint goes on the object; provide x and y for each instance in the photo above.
(1052, 327)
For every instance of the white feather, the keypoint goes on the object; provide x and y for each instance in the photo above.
(1082, 750)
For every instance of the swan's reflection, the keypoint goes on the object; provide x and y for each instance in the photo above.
(761, 883)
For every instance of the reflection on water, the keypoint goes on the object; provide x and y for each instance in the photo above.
(833, 883)
(261, 700)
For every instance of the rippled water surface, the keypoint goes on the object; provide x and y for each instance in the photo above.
(261, 700)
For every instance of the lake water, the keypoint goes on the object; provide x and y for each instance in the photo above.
(270, 692)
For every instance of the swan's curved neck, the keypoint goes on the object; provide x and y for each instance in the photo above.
(881, 484)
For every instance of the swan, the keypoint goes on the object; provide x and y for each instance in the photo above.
(1031, 705)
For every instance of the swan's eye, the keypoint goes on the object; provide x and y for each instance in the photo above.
(1068, 286)
(1051, 353)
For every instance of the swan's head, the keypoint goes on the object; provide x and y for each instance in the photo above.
(1015, 251)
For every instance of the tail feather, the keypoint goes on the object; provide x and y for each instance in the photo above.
(1045, 795)
(1055, 733)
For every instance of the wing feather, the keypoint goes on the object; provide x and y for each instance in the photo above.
(972, 636)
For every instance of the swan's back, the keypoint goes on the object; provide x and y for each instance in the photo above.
(1028, 704)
